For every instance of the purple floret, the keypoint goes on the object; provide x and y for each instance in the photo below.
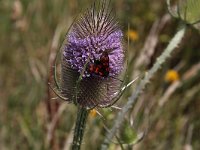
(78, 50)
(91, 34)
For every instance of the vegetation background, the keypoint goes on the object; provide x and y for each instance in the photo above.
(31, 32)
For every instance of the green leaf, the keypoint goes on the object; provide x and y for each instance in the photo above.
(128, 134)
(189, 10)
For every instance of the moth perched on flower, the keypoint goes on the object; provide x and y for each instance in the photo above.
(93, 58)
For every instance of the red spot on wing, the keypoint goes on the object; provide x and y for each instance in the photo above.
(100, 67)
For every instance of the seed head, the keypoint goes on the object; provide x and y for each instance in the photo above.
(93, 50)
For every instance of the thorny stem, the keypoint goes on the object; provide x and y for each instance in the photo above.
(79, 128)
(160, 60)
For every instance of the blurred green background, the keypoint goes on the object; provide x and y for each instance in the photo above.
(31, 32)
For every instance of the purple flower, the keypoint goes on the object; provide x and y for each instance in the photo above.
(93, 49)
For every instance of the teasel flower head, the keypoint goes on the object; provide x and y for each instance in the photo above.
(93, 58)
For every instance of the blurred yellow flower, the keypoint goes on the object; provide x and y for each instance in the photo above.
(93, 113)
(133, 35)
(171, 76)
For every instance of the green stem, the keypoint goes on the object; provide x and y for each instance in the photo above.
(79, 128)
